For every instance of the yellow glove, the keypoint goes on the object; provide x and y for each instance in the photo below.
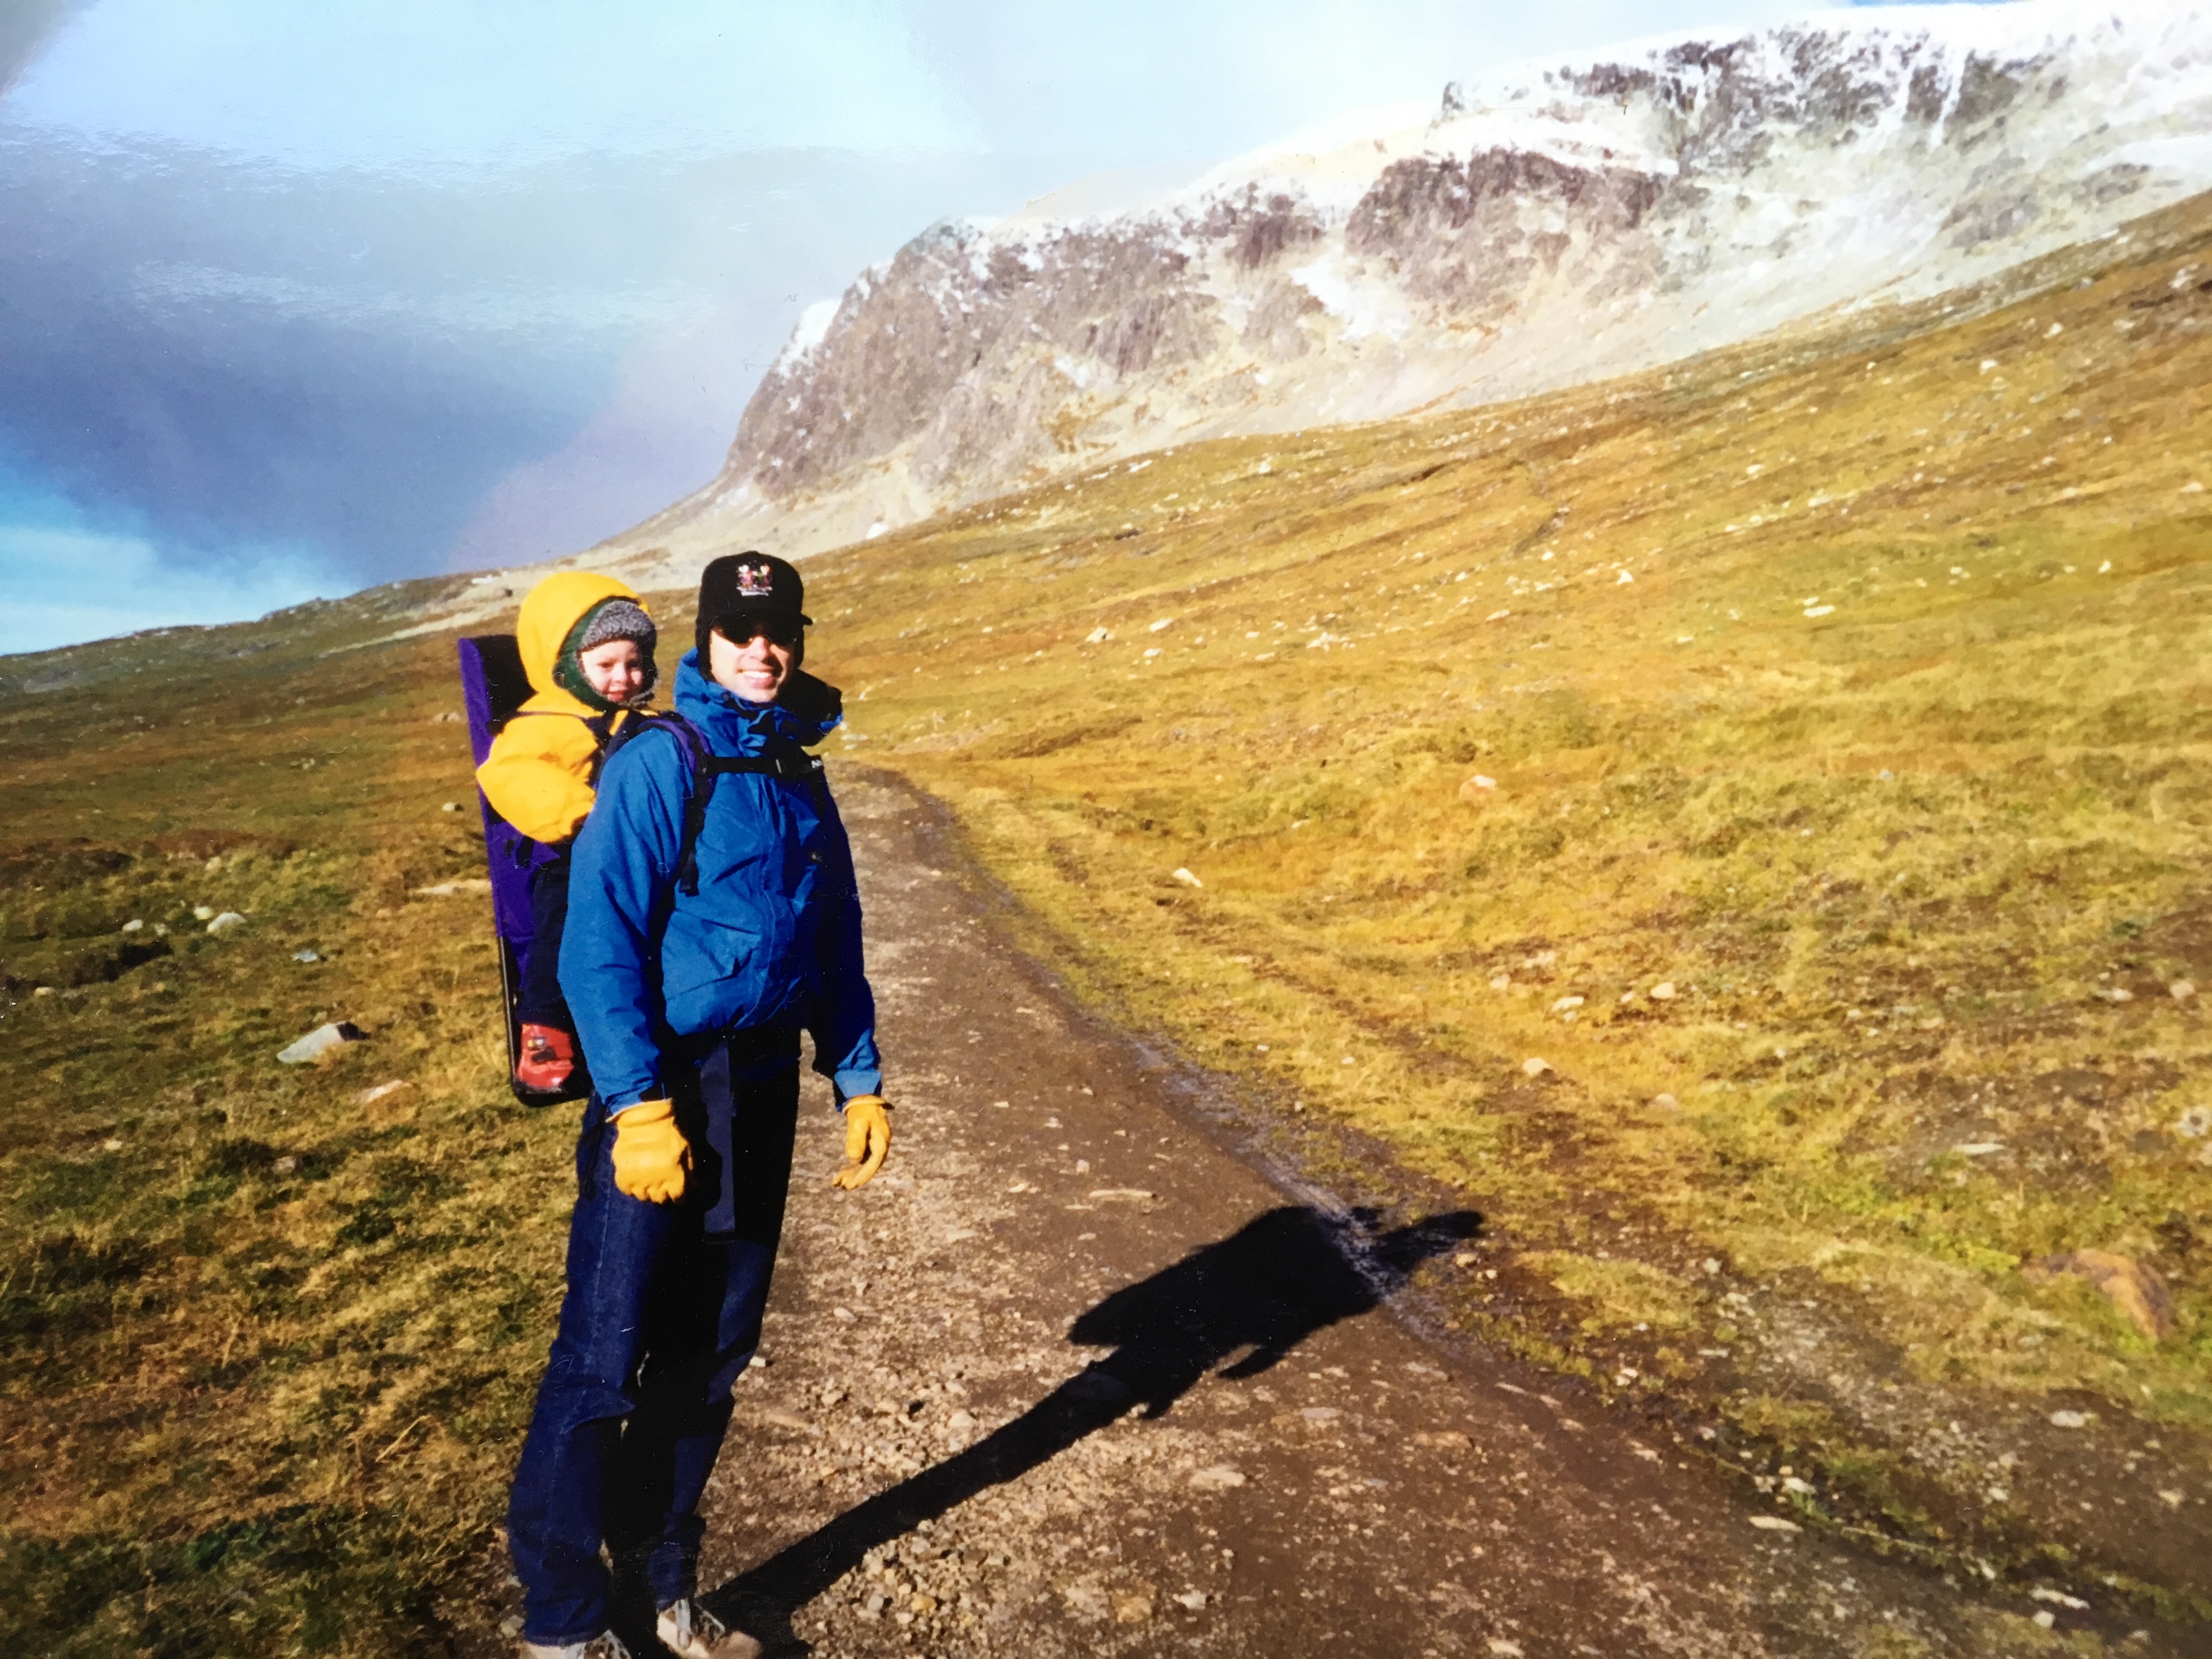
(867, 1141)
(650, 1154)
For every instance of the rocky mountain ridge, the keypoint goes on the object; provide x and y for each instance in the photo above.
(1551, 226)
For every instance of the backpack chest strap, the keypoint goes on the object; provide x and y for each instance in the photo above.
(792, 764)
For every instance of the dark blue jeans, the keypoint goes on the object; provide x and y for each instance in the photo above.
(660, 1315)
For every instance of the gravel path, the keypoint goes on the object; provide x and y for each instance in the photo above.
(1073, 1378)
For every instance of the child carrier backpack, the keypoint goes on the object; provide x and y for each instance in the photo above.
(494, 686)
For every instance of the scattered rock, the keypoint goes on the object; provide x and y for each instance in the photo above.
(286, 1164)
(1193, 1599)
(1504, 1649)
(1979, 1148)
(1667, 1103)
(1565, 1004)
(2181, 990)
(1664, 991)
(2070, 1420)
(1187, 879)
(132, 925)
(1164, 621)
(1130, 1195)
(1532, 1067)
(2194, 1124)
(1097, 637)
(446, 717)
(306, 956)
(2136, 1291)
(381, 1092)
(110, 1144)
(454, 889)
(1501, 982)
(1132, 1609)
(321, 1041)
(1218, 1478)
(202, 913)
(42, 991)
(1774, 1523)
(229, 922)
(1476, 788)
(451, 807)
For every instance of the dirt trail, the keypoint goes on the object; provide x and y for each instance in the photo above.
(1074, 1378)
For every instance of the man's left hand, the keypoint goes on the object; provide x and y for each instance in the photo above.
(867, 1141)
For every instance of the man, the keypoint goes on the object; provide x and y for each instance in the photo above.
(712, 916)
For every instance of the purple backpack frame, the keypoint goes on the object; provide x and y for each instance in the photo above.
(492, 686)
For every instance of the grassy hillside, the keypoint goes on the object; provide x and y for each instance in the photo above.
(1851, 686)
(269, 1337)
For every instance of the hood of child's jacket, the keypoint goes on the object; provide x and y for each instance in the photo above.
(735, 726)
(551, 609)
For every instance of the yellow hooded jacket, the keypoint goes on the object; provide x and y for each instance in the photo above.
(538, 775)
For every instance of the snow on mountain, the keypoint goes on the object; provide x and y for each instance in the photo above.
(1550, 224)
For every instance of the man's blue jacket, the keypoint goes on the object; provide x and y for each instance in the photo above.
(771, 938)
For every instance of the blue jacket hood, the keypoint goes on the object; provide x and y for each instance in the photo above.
(807, 711)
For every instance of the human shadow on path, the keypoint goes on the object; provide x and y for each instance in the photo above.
(1240, 1305)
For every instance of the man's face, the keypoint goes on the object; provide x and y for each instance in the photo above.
(757, 666)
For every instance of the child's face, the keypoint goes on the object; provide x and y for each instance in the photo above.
(616, 670)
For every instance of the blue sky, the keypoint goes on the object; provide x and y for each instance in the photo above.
(303, 298)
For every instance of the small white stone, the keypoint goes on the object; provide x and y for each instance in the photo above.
(2068, 1420)
(1533, 1067)
(1187, 879)
(2181, 990)
(1218, 1478)
(133, 926)
(1097, 637)
(1774, 1523)
(1664, 991)
(320, 1042)
(202, 913)
(1566, 1003)
(1501, 982)
(2046, 1618)
(229, 922)
(1164, 621)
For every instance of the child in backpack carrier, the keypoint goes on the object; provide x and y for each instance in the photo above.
(587, 644)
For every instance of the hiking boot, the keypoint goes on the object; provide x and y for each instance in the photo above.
(548, 1058)
(689, 1631)
(605, 1645)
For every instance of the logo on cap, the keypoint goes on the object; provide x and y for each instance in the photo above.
(756, 582)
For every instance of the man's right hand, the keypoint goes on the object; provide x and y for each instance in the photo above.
(650, 1154)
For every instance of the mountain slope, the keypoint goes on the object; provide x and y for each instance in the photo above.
(1551, 227)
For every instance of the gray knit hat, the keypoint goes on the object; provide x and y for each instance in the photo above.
(619, 619)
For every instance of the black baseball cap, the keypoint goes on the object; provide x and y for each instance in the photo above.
(747, 584)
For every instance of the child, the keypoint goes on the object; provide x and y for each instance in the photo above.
(587, 644)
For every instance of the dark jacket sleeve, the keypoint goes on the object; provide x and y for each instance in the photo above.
(843, 1024)
(620, 882)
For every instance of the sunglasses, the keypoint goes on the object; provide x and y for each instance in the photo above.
(785, 631)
